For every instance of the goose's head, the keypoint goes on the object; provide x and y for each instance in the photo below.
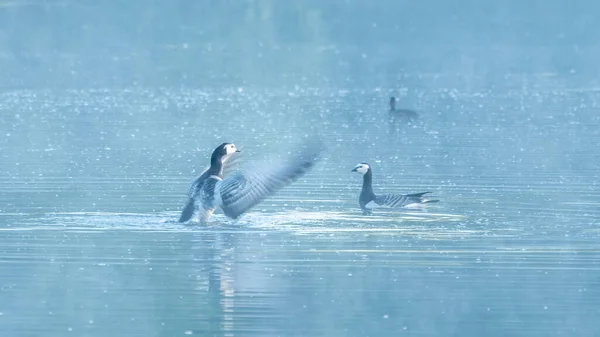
(361, 168)
(224, 151)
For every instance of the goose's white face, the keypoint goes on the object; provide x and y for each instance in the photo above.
(361, 168)
(230, 149)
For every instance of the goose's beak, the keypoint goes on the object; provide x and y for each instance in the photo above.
(236, 150)
(353, 170)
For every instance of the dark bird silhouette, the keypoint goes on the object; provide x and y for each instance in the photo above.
(401, 114)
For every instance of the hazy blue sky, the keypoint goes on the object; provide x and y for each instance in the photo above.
(270, 42)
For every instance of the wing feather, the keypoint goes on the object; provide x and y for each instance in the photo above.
(196, 185)
(401, 200)
(391, 200)
(232, 163)
(243, 190)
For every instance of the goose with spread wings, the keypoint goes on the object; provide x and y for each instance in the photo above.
(236, 193)
(369, 200)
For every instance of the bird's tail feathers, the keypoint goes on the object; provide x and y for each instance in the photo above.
(418, 198)
(188, 211)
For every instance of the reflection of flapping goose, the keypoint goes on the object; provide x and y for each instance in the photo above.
(401, 113)
(237, 193)
(368, 199)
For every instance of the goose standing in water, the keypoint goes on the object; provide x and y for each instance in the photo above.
(400, 115)
(239, 192)
(369, 200)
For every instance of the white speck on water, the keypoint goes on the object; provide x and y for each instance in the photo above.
(350, 274)
(385, 316)
(189, 332)
(70, 329)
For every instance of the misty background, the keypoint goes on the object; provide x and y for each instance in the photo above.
(65, 44)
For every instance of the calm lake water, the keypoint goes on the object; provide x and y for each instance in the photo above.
(92, 181)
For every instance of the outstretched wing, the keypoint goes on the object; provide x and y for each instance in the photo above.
(196, 185)
(243, 190)
(232, 163)
(401, 200)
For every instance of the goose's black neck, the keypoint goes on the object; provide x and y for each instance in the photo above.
(368, 182)
(216, 165)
